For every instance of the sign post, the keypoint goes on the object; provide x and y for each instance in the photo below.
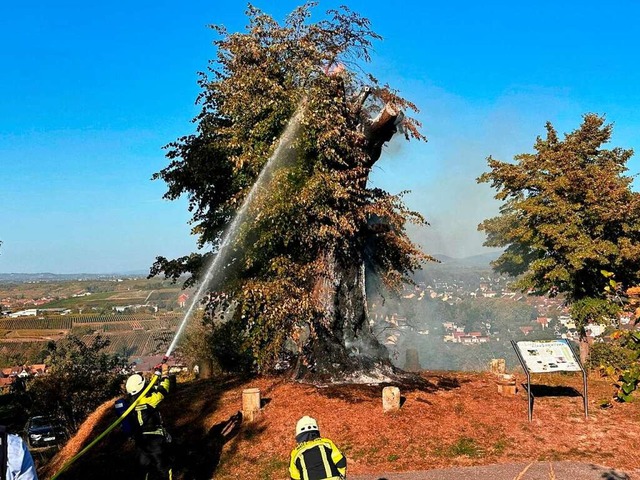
(547, 356)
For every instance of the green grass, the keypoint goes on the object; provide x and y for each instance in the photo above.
(464, 447)
(274, 467)
(500, 446)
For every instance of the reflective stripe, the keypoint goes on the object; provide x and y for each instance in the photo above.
(317, 459)
(327, 467)
(305, 474)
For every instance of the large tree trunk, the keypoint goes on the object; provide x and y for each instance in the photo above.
(341, 343)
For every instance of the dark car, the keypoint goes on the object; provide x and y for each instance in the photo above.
(44, 431)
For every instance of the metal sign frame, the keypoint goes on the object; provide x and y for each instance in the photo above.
(515, 346)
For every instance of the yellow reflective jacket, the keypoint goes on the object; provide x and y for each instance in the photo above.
(146, 417)
(318, 459)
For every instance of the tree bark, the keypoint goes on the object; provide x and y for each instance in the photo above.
(585, 347)
(341, 342)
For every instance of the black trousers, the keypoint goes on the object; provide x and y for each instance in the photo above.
(153, 456)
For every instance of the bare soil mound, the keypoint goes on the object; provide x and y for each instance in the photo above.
(447, 419)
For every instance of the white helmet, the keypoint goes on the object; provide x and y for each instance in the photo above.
(306, 424)
(135, 384)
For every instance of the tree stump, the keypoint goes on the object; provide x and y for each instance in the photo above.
(390, 399)
(412, 363)
(250, 404)
(506, 384)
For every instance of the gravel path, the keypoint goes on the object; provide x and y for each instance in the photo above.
(512, 471)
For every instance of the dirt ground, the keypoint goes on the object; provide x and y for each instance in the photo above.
(446, 419)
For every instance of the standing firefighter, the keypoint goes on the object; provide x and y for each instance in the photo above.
(150, 436)
(315, 458)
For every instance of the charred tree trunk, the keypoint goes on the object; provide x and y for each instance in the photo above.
(341, 342)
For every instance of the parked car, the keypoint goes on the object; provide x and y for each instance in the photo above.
(44, 431)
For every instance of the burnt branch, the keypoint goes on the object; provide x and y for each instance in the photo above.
(380, 130)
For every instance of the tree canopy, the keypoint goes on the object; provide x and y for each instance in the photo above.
(319, 205)
(568, 213)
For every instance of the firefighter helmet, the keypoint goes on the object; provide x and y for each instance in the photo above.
(135, 384)
(306, 424)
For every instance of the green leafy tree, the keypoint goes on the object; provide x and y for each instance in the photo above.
(295, 274)
(81, 377)
(593, 311)
(568, 212)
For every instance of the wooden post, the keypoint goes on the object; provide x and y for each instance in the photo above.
(206, 368)
(498, 366)
(250, 404)
(413, 362)
(390, 399)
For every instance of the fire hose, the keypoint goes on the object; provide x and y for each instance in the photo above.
(108, 430)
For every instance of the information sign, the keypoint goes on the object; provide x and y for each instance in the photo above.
(546, 356)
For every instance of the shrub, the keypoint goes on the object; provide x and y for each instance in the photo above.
(81, 377)
(619, 360)
(603, 355)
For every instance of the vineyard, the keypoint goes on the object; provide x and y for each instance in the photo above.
(33, 323)
(14, 348)
(127, 344)
(35, 334)
(129, 334)
(130, 343)
(164, 321)
(135, 314)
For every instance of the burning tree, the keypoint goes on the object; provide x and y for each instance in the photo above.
(295, 280)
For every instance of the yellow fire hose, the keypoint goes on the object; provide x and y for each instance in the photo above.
(109, 429)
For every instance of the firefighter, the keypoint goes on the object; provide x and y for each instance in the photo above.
(315, 458)
(148, 430)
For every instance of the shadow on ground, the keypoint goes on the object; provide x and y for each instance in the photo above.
(553, 391)
(195, 449)
(200, 460)
(611, 474)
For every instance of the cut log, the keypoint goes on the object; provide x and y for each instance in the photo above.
(250, 404)
(506, 384)
(390, 399)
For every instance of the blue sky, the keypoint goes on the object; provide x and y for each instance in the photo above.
(92, 91)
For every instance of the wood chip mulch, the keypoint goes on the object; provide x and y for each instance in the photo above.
(446, 419)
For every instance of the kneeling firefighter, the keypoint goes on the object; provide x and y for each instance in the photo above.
(146, 424)
(315, 458)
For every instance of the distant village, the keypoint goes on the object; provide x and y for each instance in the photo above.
(553, 318)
